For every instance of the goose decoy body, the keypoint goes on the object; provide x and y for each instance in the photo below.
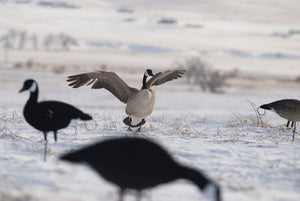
(138, 164)
(288, 109)
(48, 116)
(140, 103)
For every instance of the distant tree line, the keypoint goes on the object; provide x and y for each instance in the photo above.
(20, 40)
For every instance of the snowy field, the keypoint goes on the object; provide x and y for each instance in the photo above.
(251, 157)
(217, 133)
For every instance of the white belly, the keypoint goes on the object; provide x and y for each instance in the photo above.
(140, 105)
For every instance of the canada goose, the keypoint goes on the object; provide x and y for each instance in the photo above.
(288, 109)
(140, 103)
(138, 164)
(48, 116)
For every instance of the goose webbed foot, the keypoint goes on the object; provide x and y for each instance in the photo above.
(128, 120)
(138, 130)
(140, 125)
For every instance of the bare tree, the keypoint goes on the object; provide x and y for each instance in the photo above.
(216, 80)
(7, 45)
(34, 40)
(199, 73)
(22, 39)
(66, 41)
(48, 40)
(59, 42)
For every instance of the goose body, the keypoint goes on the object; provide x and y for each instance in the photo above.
(288, 109)
(140, 103)
(48, 116)
(119, 162)
(51, 115)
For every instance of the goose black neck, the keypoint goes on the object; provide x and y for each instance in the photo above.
(201, 181)
(144, 82)
(195, 176)
(34, 96)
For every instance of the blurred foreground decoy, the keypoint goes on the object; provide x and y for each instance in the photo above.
(288, 109)
(140, 103)
(48, 115)
(137, 163)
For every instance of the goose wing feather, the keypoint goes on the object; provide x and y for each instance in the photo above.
(162, 77)
(102, 79)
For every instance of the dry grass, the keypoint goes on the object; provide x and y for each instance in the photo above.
(111, 125)
(9, 197)
(8, 125)
(174, 125)
(278, 133)
(249, 120)
(258, 120)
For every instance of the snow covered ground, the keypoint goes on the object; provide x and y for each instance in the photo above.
(219, 134)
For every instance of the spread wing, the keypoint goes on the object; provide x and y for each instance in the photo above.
(162, 77)
(102, 79)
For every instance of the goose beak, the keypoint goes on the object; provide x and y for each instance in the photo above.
(21, 90)
(149, 72)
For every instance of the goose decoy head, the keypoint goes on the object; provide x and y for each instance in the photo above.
(29, 85)
(266, 107)
(149, 72)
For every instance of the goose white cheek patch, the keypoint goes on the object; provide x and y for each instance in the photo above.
(33, 87)
(210, 192)
(147, 74)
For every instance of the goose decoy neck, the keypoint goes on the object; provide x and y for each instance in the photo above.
(194, 176)
(209, 188)
(34, 95)
(147, 73)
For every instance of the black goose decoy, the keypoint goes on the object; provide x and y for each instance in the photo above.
(140, 103)
(288, 109)
(137, 163)
(48, 116)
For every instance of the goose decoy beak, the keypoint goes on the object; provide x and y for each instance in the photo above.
(21, 90)
(29, 85)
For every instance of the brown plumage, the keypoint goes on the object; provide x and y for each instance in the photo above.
(140, 103)
(162, 77)
(288, 109)
(102, 79)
